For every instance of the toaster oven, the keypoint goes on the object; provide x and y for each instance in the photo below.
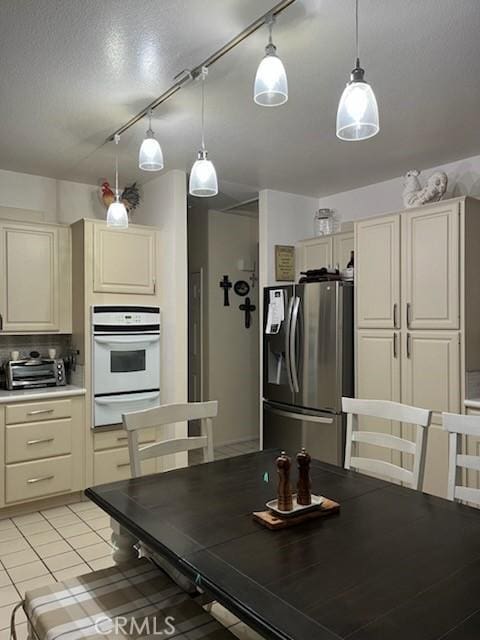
(34, 372)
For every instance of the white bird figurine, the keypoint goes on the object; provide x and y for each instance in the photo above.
(413, 193)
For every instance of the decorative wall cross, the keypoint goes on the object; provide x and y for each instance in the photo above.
(248, 307)
(225, 284)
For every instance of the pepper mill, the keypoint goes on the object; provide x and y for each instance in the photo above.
(285, 502)
(304, 485)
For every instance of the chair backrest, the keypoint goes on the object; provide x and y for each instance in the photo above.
(387, 410)
(164, 415)
(458, 426)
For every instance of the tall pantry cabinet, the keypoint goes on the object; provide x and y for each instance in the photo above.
(417, 300)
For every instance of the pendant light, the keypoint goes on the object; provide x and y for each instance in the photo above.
(203, 177)
(117, 214)
(271, 87)
(357, 115)
(150, 156)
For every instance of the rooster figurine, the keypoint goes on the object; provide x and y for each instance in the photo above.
(130, 196)
(107, 194)
(413, 193)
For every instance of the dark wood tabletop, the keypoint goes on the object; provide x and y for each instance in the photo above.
(394, 564)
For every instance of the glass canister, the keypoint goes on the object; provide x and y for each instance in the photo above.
(323, 222)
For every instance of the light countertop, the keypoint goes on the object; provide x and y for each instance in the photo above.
(473, 403)
(40, 394)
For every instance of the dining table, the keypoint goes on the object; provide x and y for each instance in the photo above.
(392, 564)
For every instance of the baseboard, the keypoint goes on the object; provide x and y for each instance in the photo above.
(227, 443)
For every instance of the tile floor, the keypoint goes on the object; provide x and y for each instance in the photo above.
(42, 547)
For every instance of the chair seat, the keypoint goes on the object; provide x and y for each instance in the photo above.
(131, 595)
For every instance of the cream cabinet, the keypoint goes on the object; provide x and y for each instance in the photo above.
(431, 268)
(124, 261)
(377, 272)
(417, 276)
(35, 285)
(43, 444)
(378, 377)
(324, 251)
(111, 460)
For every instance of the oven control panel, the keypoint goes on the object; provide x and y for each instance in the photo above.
(108, 316)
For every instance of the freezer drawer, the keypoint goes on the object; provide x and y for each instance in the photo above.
(322, 434)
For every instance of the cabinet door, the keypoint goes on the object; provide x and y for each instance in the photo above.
(378, 377)
(124, 260)
(377, 272)
(342, 248)
(30, 282)
(315, 254)
(431, 379)
(431, 267)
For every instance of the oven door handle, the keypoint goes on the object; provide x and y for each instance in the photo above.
(133, 397)
(126, 340)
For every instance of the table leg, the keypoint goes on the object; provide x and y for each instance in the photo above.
(123, 543)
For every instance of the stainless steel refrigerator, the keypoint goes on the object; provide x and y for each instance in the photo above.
(307, 367)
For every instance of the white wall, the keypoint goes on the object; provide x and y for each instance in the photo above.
(165, 206)
(233, 350)
(284, 218)
(47, 199)
(383, 197)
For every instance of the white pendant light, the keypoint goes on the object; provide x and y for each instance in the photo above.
(150, 156)
(117, 214)
(203, 177)
(357, 115)
(271, 86)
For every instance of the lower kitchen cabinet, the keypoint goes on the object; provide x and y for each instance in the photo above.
(114, 464)
(378, 377)
(43, 445)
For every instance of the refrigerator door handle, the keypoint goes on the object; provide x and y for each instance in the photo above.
(293, 344)
(300, 416)
(287, 343)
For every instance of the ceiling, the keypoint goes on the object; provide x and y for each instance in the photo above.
(71, 72)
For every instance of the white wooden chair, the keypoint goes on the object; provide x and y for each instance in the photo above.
(387, 410)
(457, 426)
(168, 414)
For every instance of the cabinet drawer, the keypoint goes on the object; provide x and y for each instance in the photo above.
(38, 440)
(114, 464)
(118, 438)
(29, 480)
(35, 411)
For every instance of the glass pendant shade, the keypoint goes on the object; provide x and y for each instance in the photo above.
(271, 86)
(117, 215)
(150, 156)
(357, 115)
(203, 177)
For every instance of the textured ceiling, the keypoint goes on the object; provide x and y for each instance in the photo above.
(73, 71)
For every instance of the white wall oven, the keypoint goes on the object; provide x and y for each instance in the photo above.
(126, 361)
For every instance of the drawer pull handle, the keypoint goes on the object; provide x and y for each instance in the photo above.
(123, 464)
(40, 479)
(40, 440)
(39, 411)
(122, 438)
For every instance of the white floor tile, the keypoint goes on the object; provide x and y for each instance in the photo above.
(28, 518)
(55, 512)
(224, 616)
(6, 523)
(84, 540)
(4, 579)
(99, 550)
(18, 544)
(47, 537)
(77, 507)
(53, 549)
(72, 572)
(28, 571)
(9, 534)
(5, 613)
(8, 595)
(63, 561)
(35, 527)
(64, 521)
(18, 558)
(106, 534)
(70, 531)
(101, 563)
(98, 523)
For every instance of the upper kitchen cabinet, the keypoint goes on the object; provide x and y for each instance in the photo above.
(124, 260)
(431, 266)
(377, 272)
(35, 285)
(324, 251)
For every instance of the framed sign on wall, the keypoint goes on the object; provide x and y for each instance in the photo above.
(284, 263)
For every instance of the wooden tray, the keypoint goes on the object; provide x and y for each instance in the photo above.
(274, 522)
